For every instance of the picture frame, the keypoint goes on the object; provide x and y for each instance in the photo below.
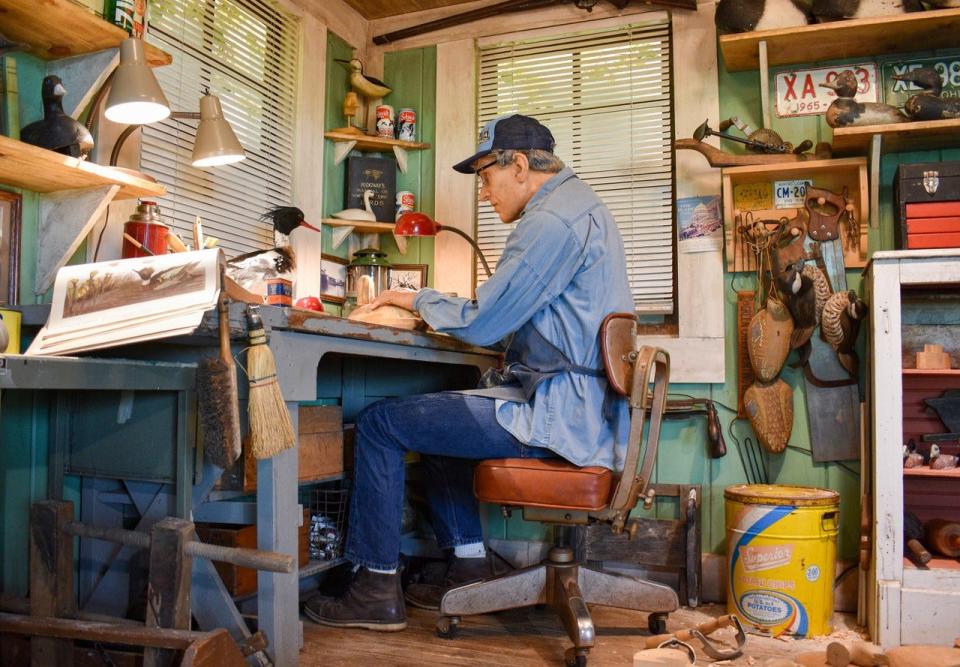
(407, 276)
(333, 278)
(10, 229)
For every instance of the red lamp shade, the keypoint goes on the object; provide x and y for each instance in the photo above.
(413, 223)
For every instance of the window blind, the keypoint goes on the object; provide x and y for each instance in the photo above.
(606, 97)
(246, 52)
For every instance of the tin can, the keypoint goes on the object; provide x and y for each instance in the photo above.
(279, 292)
(385, 121)
(407, 125)
(406, 201)
(131, 15)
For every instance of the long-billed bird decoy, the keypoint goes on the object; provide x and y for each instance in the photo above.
(366, 85)
(57, 131)
(253, 267)
(928, 105)
(845, 111)
(840, 325)
(285, 219)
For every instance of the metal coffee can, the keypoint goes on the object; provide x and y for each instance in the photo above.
(407, 125)
(385, 121)
(406, 202)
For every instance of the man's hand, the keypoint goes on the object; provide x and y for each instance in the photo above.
(400, 298)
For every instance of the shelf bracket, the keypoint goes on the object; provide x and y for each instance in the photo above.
(65, 220)
(341, 149)
(876, 152)
(764, 83)
(401, 155)
(338, 235)
(83, 76)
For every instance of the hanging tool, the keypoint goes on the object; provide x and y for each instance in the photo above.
(705, 131)
(713, 650)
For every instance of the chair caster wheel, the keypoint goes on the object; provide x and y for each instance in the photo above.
(574, 658)
(448, 626)
(657, 623)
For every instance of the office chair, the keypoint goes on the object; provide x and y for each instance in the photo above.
(558, 492)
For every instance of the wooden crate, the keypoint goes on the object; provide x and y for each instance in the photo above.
(320, 436)
(243, 580)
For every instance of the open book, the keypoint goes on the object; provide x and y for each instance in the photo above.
(128, 301)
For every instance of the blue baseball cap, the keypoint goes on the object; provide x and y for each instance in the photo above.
(509, 132)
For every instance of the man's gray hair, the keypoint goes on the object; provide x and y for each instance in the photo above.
(540, 160)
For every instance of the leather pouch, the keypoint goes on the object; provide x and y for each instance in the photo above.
(769, 342)
(770, 410)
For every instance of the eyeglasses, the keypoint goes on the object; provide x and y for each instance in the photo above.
(479, 172)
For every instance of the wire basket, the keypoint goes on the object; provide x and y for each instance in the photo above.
(328, 521)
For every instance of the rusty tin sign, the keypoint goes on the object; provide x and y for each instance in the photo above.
(799, 93)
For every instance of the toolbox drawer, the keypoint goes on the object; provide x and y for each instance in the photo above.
(927, 202)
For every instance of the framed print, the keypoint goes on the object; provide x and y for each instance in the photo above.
(9, 247)
(333, 278)
(408, 276)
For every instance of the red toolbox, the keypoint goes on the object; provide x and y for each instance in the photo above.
(927, 200)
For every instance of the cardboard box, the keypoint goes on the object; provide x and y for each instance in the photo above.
(320, 437)
(243, 580)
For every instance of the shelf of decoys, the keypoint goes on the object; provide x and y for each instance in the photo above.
(850, 38)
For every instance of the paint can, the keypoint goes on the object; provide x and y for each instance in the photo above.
(407, 125)
(279, 292)
(781, 556)
(406, 202)
(385, 121)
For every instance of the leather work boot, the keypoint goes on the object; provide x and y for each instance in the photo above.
(374, 601)
(461, 571)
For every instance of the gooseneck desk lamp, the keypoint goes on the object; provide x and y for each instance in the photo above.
(136, 99)
(414, 223)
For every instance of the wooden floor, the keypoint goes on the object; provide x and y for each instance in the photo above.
(527, 638)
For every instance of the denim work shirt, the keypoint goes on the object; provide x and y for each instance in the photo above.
(564, 270)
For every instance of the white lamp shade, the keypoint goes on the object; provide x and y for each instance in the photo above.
(215, 143)
(135, 96)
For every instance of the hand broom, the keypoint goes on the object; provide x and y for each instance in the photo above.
(271, 430)
(217, 398)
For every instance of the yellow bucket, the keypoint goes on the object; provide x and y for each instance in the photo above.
(781, 553)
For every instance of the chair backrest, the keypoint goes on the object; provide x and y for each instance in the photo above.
(630, 369)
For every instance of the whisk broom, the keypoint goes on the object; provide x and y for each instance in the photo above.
(217, 398)
(271, 430)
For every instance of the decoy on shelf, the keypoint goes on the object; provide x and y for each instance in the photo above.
(911, 457)
(928, 105)
(845, 111)
(57, 131)
(840, 325)
(364, 214)
(939, 461)
(366, 85)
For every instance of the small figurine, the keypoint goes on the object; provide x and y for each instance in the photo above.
(940, 461)
(911, 457)
(845, 111)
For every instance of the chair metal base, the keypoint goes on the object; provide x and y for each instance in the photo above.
(560, 582)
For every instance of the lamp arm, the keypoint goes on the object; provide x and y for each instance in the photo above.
(130, 129)
(472, 242)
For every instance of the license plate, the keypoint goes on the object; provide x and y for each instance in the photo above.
(790, 194)
(799, 92)
(897, 92)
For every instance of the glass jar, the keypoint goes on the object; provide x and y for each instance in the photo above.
(367, 275)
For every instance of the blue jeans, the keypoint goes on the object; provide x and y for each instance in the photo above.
(452, 431)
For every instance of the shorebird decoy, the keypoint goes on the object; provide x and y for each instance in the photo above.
(57, 131)
(285, 219)
(366, 85)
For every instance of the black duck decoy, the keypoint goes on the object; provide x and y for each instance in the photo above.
(798, 293)
(57, 131)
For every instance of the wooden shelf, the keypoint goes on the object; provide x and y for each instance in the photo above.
(794, 170)
(919, 135)
(361, 226)
(366, 142)
(40, 170)
(61, 28)
(932, 371)
(843, 39)
(929, 472)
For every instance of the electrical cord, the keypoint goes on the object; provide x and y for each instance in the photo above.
(106, 219)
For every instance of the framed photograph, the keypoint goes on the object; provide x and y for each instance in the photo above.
(9, 247)
(333, 278)
(408, 276)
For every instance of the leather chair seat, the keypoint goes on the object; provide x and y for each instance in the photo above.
(548, 483)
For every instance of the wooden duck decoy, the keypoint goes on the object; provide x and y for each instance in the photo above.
(911, 457)
(840, 325)
(928, 105)
(940, 461)
(800, 297)
(366, 85)
(57, 131)
(845, 111)
(735, 16)
(821, 287)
